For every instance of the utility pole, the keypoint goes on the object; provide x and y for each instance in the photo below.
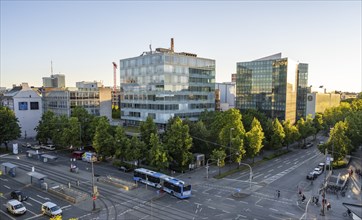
(325, 182)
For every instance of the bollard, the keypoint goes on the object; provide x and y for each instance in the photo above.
(69, 185)
(77, 182)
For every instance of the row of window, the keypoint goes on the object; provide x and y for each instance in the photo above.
(24, 106)
(165, 97)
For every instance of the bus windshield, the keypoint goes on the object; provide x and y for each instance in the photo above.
(187, 188)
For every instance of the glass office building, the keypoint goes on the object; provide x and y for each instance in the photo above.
(302, 91)
(269, 85)
(164, 84)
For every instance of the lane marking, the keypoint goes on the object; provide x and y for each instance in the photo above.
(35, 216)
(230, 199)
(211, 207)
(7, 215)
(67, 206)
(276, 217)
(271, 170)
(35, 200)
(259, 205)
(6, 186)
(226, 211)
(280, 166)
(274, 209)
(288, 213)
(45, 198)
(244, 202)
(5, 180)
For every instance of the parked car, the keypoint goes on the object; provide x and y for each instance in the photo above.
(15, 207)
(321, 165)
(18, 195)
(35, 147)
(27, 145)
(308, 145)
(312, 176)
(48, 147)
(51, 209)
(320, 143)
(318, 170)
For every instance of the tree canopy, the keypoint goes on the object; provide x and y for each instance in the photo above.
(9, 126)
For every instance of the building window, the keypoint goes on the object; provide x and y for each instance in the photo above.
(34, 105)
(23, 106)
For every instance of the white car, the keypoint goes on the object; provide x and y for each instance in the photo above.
(35, 147)
(15, 207)
(318, 170)
(48, 147)
(51, 209)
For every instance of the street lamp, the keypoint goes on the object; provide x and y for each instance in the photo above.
(230, 145)
(251, 171)
(94, 189)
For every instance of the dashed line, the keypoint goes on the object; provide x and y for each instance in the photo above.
(274, 209)
(280, 166)
(230, 199)
(259, 205)
(218, 196)
(288, 213)
(225, 211)
(244, 202)
(211, 207)
(271, 170)
(6, 186)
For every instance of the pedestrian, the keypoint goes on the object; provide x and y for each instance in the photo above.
(278, 191)
(328, 206)
(303, 198)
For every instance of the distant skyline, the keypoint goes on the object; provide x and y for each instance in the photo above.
(83, 38)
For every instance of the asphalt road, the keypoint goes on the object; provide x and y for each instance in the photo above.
(228, 198)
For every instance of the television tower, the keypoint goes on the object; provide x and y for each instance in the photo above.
(114, 77)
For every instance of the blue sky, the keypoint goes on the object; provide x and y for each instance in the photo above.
(83, 38)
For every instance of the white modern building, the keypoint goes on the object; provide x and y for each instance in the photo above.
(227, 94)
(26, 103)
(319, 102)
(54, 81)
(163, 84)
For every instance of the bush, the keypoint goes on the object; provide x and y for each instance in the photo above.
(339, 164)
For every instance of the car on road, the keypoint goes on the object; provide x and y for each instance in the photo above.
(321, 165)
(35, 147)
(48, 147)
(312, 176)
(308, 145)
(318, 170)
(27, 145)
(18, 195)
(50, 209)
(15, 207)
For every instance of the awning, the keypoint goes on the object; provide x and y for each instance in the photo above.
(355, 208)
(37, 175)
(10, 165)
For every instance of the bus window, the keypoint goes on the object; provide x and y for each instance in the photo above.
(187, 188)
(153, 179)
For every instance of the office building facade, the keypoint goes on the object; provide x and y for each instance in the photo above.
(269, 85)
(225, 96)
(163, 84)
(319, 102)
(90, 95)
(54, 81)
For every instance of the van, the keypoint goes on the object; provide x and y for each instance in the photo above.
(89, 157)
(51, 209)
(15, 207)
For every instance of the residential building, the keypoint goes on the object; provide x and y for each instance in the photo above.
(270, 85)
(348, 95)
(26, 104)
(226, 93)
(319, 102)
(163, 84)
(233, 77)
(90, 95)
(54, 81)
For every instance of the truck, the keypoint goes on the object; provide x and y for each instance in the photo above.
(89, 157)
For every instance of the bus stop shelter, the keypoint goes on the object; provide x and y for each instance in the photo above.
(48, 158)
(40, 178)
(9, 168)
(33, 154)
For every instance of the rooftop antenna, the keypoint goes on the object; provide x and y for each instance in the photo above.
(151, 47)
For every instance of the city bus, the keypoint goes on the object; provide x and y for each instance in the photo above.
(168, 184)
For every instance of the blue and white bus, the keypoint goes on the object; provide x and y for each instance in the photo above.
(168, 184)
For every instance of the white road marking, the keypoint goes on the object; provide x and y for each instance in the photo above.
(225, 211)
(230, 199)
(271, 170)
(288, 213)
(275, 217)
(7, 215)
(287, 162)
(31, 212)
(67, 206)
(27, 203)
(45, 198)
(6, 186)
(35, 200)
(244, 202)
(35, 216)
(280, 166)
(218, 196)
(5, 180)
(267, 176)
(259, 206)
(211, 207)
(257, 175)
(274, 209)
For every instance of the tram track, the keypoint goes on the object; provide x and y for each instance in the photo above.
(128, 202)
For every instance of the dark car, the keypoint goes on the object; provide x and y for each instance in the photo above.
(308, 145)
(18, 195)
(125, 169)
(312, 176)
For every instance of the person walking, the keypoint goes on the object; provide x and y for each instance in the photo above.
(278, 193)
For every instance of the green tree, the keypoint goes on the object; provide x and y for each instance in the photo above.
(200, 137)
(291, 133)
(318, 123)
(354, 128)
(46, 126)
(338, 142)
(71, 133)
(9, 126)
(103, 141)
(121, 143)
(158, 155)
(57, 128)
(219, 155)
(178, 143)
(136, 149)
(87, 123)
(278, 135)
(305, 128)
(254, 139)
(232, 132)
(335, 114)
(147, 128)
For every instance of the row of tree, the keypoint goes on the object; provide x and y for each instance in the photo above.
(219, 135)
